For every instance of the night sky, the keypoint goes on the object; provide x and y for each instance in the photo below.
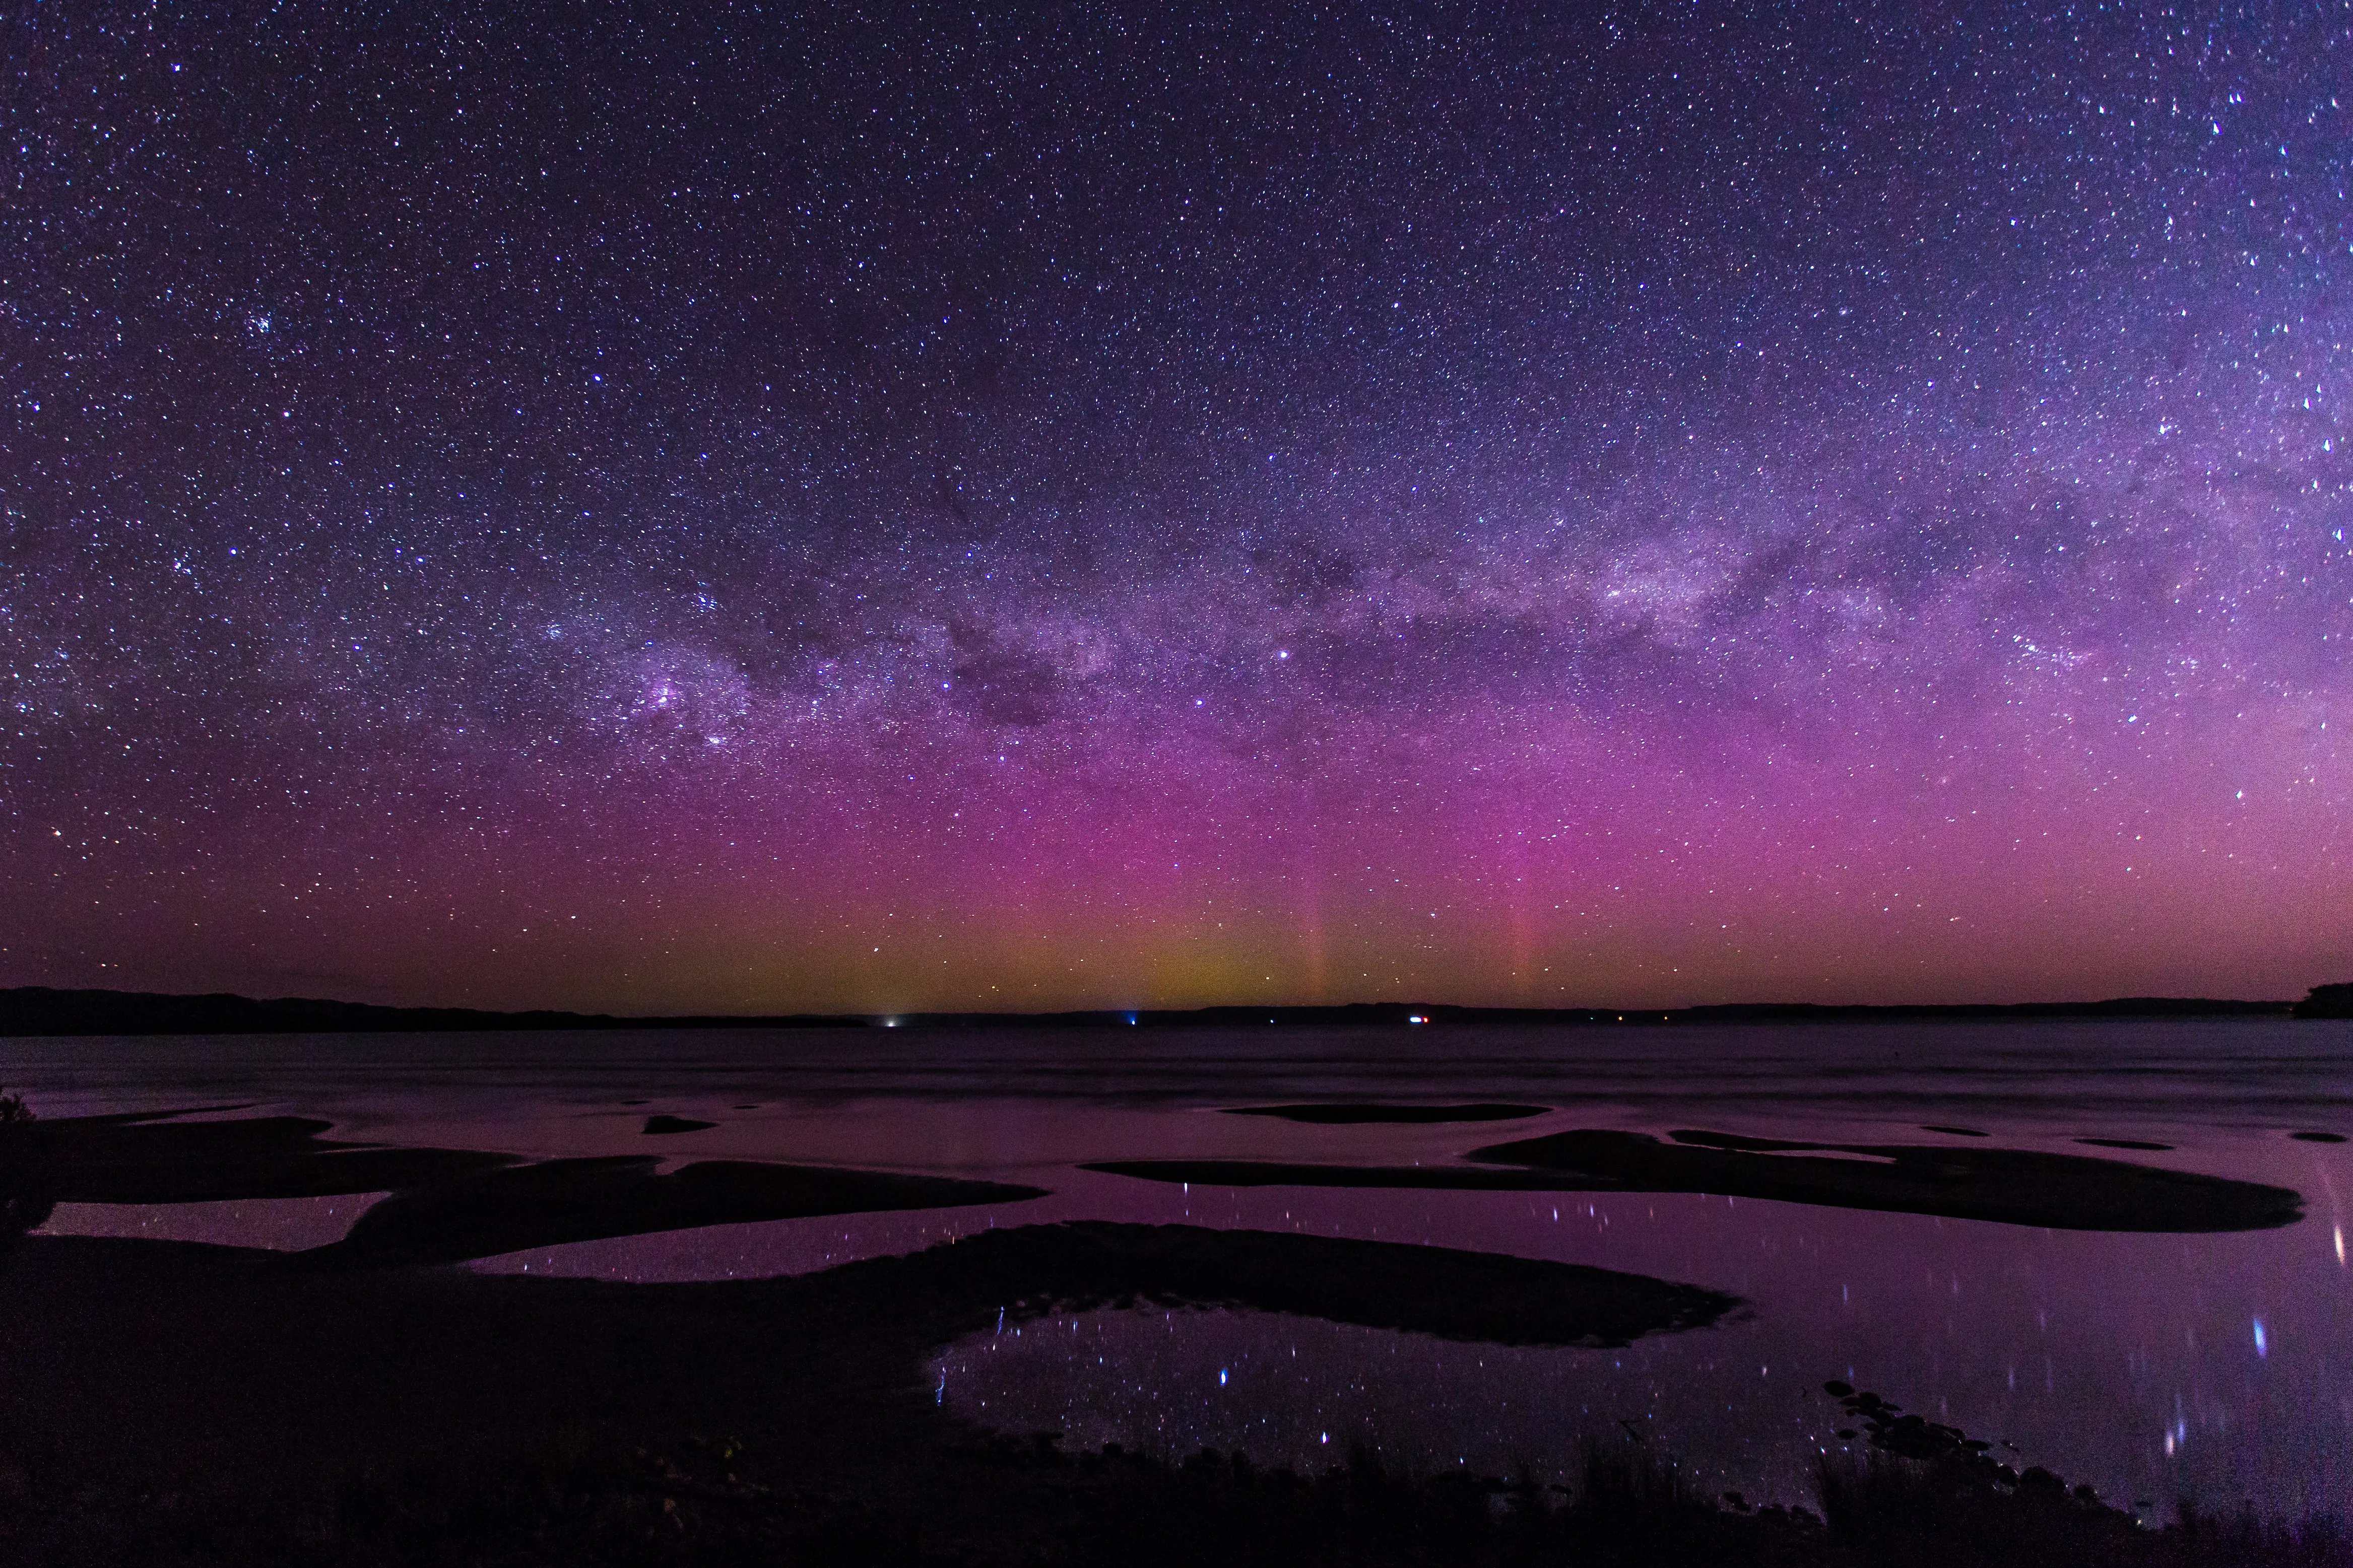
(720, 508)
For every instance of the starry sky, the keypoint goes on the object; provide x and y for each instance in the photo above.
(721, 507)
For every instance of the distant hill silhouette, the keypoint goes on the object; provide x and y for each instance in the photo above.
(2327, 1001)
(40, 1010)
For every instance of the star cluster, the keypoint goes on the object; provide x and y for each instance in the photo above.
(662, 507)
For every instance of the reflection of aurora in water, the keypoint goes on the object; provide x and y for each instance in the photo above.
(2129, 1360)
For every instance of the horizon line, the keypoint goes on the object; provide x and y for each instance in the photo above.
(32, 1011)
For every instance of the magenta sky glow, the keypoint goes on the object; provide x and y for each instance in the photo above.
(937, 510)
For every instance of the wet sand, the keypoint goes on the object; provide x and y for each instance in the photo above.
(557, 1201)
(2010, 1187)
(152, 1158)
(1358, 1113)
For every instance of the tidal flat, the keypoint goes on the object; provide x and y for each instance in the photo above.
(1728, 1294)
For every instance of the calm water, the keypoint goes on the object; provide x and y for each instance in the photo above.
(2213, 1367)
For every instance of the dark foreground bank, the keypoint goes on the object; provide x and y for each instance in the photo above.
(176, 1404)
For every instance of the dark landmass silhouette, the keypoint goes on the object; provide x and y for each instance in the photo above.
(1218, 1172)
(2012, 1186)
(2327, 1001)
(2017, 1186)
(445, 1206)
(1485, 1298)
(153, 1158)
(556, 1200)
(1359, 1113)
(660, 1125)
(40, 1010)
(36, 1010)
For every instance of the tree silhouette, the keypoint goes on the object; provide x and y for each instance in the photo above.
(23, 1202)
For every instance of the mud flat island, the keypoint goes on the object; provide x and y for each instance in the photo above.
(2013, 1186)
